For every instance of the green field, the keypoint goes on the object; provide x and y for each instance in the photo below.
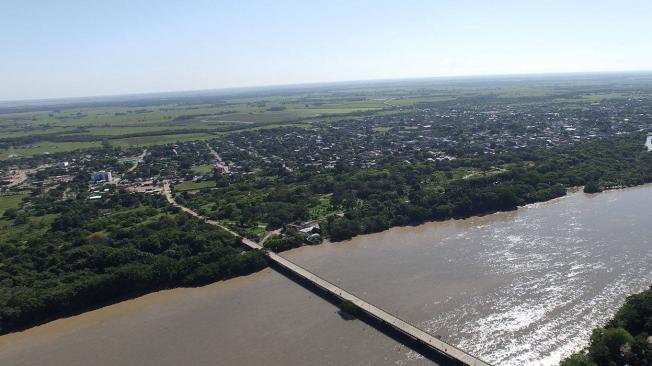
(193, 186)
(46, 147)
(159, 140)
(323, 209)
(202, 169)
(408, 102)
(10, 201)
(594, 97)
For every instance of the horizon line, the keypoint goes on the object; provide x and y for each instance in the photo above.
(245, 88)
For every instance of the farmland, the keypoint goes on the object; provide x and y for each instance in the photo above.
(30, 130)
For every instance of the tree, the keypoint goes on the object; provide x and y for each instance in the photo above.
(607, 345)
(21, 218)
(578, 359)
(592, 187)
(10, 213)
(342, 228)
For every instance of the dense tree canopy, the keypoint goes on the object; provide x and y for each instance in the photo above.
(76, 254)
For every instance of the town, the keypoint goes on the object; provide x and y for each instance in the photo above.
(291, 168)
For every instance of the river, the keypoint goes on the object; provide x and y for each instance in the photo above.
(516, 288)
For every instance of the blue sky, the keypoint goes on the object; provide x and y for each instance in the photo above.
(71, 48)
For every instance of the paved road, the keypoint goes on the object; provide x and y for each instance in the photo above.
(387, 103)
(168, 195)
(269, 235)
(218, 158)
(140, 158)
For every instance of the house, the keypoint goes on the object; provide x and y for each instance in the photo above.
(98, 177)
(306, 227)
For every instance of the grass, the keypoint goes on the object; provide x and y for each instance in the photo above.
(408, 102)
(10, 201)
(594, 97)
(46, 147)
(192, 186)
(342, 110)
(256, 232)
(9, 132)
(323, 209)
(160, 140)
(35, 226)
(123, 130)
(202, 169)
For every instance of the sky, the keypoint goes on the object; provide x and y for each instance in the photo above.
(72, 48)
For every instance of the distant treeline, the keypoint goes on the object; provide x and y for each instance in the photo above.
(81, 137)
(140, 101)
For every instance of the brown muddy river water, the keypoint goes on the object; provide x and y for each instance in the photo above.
(517, 288)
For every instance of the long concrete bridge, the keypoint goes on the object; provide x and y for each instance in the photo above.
(402, 326)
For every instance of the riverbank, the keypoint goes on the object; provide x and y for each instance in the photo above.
(518, 288)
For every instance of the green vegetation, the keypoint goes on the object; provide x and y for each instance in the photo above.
(357, 160)
(193, 186)
(35, 130)
(46, 147)
(10, 203)
(202, 169)
(396, 193)
(248, 202)
(592, 187)
(69, 256)
(624, 340)
(288, 241)
(157, 140)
